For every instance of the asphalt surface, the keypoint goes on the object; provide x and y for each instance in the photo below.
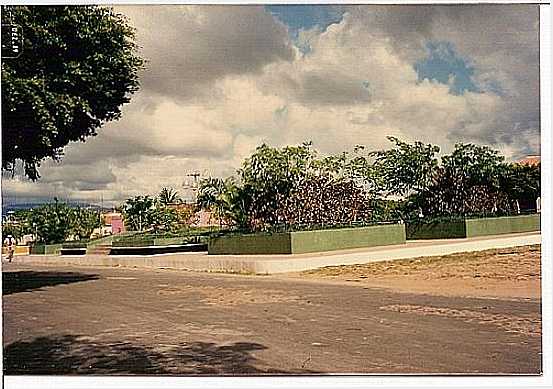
(69, 320)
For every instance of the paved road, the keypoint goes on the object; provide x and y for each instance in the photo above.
(68, 320)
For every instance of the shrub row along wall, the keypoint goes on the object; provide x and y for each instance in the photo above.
(148, 241)
(474, 227)
(308, 241)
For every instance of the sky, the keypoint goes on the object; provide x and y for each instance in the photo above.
(220, 80)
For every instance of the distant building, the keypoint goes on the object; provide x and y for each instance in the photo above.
(530, 160)
(112, 223)
(205, 219)
(199, 218)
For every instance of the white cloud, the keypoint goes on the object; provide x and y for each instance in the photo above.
(188, 48)
(222, 80)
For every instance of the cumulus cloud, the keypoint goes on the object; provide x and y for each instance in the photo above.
(190, 47)
(221, 80)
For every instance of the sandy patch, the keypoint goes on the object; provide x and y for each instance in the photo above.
(502, 273)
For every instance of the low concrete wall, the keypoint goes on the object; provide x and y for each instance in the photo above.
(47, 249)
(278, 243)
(503, 225)
(73, 251)
(19, 250)
(474, 227)
(309, 241)
(347, 238)
(165, 249)
(436, 230)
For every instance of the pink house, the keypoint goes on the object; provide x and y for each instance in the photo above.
(114, 222)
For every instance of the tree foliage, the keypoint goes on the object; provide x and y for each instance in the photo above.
(139, 212)
(84, 221)
(168, 196)
(225, 198)
(268, 176)
(292, 186)
(406, 168)
(145, 213)
(52, 223)
(78, 67)
(521, 181)
(468, 182)
(56, 222)
(16, 230)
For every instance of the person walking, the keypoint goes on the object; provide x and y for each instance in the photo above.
(10, 245)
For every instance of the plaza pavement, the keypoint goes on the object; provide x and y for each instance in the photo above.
(104, 320)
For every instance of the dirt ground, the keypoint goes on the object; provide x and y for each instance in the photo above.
(501, 273)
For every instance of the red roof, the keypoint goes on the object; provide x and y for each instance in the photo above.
(530, 160)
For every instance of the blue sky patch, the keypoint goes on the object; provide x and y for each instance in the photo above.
(442, 63)
(304, 17)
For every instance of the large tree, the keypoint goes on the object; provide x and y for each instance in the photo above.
(521, 182)
(78, 66)
(467, 182)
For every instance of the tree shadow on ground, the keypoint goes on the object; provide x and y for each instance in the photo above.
(70, 354)
(26, 281)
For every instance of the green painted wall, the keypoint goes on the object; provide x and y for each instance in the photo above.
(49, 249)
(436, 230)
(474, 227)
(503, 225)
(347, 238)
(308, 241)
(278, 243)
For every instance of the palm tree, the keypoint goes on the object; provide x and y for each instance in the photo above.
(223, 197)
(168, 196)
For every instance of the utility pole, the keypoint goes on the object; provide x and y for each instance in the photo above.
(195, 176)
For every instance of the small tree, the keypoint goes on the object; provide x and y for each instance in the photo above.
(12, 228)
(139, 212)
(17, 225)
(225, 198)
(163, 219)
(168, 196)
(51, 222)
(84, 221)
